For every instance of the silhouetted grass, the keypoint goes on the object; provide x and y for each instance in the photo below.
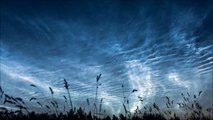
(96, 112)
(66, 85)
(189, 104)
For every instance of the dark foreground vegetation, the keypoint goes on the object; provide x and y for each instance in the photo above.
(192, 110)
(81, 115)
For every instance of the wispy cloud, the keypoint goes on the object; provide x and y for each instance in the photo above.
(158, 49)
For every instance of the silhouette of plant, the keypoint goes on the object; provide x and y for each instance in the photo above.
(190, 104)
(66, 85)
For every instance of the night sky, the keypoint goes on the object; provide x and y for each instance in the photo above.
(161, 48)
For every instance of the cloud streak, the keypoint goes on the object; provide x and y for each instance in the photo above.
(158, 48)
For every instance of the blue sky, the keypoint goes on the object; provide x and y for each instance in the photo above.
(160, 48)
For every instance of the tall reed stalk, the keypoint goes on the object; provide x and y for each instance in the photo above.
(96, 93)
(66, 85)
(54, 103)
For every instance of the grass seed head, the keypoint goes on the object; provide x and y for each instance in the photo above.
(51, 90)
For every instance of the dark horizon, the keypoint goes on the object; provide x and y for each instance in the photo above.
(160, 48)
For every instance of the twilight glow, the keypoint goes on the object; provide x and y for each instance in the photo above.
(159, 48)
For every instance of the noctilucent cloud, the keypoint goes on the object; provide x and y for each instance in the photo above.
(161, 48)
